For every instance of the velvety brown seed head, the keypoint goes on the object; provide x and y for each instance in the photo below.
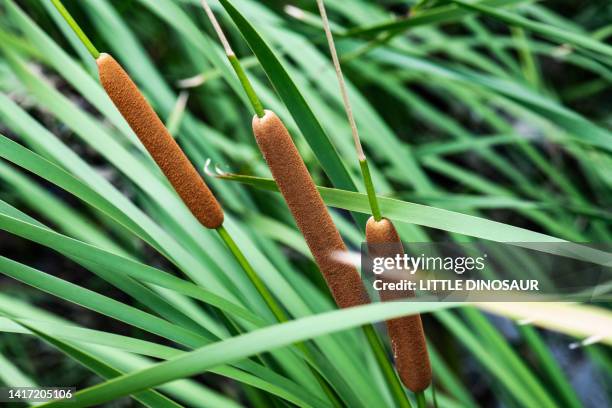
(406, 333)
(159, 143)
(308, 209)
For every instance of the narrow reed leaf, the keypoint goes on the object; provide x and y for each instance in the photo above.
(490, 336)
(483, 353)
(98, 193)
(243, 346)
(451, 221)
(120, 265)
(99, 303)
(75, 224)
(89, 341)
(72, 71)
(14, 221)
(176, 17)
(148, 398)
(119, 311)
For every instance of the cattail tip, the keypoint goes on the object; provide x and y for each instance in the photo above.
(381, 231)
(103, 58)
(268, 116)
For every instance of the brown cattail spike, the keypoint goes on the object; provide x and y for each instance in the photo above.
(308, 209)
(406, 333)
(159, 143)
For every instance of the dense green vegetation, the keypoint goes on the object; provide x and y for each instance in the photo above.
(481, 120)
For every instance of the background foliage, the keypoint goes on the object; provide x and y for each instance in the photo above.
(487, 122)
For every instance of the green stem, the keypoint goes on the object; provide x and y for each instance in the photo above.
(252, 275)
(246, 84)
(397, 389)
(420, 398)
(369, 185)
(77, 30)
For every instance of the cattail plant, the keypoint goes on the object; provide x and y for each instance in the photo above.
(406, 333)
(164, 150)
(298, 189)
(308, 209)
(301, 195)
